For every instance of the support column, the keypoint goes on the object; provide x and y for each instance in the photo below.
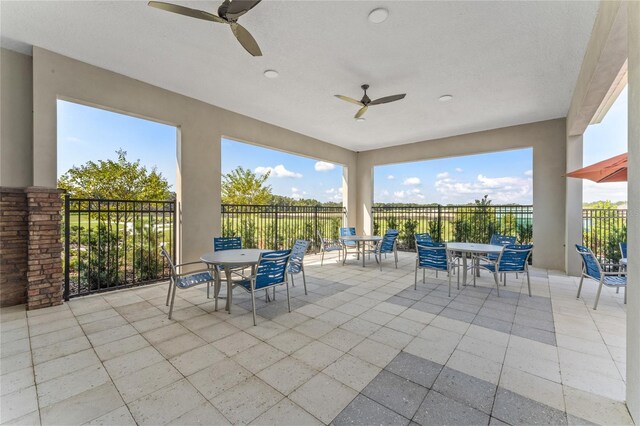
(573, 206)
(633, 224)
(364, 187)
(44, 266)
(349, 194)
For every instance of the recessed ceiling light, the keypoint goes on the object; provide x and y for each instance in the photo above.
(445, 98)
(360, 119)
(271, 73)
(379, 15)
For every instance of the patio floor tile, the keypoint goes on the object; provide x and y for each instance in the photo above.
(83, 407)
(352, 371)
(374, 352)
(146, 380)
(166, 404)
(396, 393)
(317, 355)
(438, 409)
(364, 411)
(466, 389)
(246, 401)
(218, 378)
(197, 359)
(18, 404)
(323, 397)
(120, 416)
(133, 361)
(287, 375)
(517, 409)
(286, 413)
(414, 368)
(71, 384)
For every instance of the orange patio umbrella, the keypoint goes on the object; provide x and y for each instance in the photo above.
(613, 169)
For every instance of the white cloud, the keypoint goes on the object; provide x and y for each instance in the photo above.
(613, 191)
(501, 190)
(411, 181)
(334, 194)
(294, 189)
(408, 195)
(528, 173)
(391, 177)
(278, 171)
(459, 170)
(442, 175)
(322, 166)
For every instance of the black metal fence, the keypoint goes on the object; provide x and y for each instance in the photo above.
(454, 223)
(112, 244)
(602, 231)
(274, 227)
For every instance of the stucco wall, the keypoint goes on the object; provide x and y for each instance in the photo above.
(201, 127)
(16, 119)
(633, 225)
(547, 138)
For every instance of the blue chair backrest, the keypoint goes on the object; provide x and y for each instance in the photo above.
(514, 257)
(423, 238)
(227, 243)
(623, 249)
(346, 232)
(388, 241)
(272, 268)
(433, 256)
(502, 240)
(589, 262)
(297, 255)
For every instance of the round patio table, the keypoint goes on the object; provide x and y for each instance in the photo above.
(226, 260)
(471, 248)
(360, 239)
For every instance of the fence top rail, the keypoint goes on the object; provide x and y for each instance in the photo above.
(283, 205)
(507, 206)
(115, 200)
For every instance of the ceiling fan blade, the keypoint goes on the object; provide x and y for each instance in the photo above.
(388, 99)
(237, 8)
(361, 112)
(186, 11)
(246, 39)
(348, 99)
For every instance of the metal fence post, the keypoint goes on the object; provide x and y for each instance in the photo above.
(439, 223)
(315, 227)
(67, 233)
(275, 228)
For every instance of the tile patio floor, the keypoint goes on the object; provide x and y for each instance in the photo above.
(362, 347)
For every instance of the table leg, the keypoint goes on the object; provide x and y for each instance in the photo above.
(464, 268)
(363, 246)
(227, 272)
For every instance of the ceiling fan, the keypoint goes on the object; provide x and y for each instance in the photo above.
(365, 102)
(228, 13)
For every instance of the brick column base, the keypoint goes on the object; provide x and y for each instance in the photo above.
(30, 247)
(14, 235)
(44, 273)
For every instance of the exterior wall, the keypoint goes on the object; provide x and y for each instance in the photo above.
(633, 225)
(573, 213)
(14, 236)
(547, 138)
(16, 119)
(201, 127)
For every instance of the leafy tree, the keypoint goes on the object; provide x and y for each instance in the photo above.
(115, 179)
(242, 186)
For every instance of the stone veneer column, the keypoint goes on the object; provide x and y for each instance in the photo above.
(14, 234)
(44, 266)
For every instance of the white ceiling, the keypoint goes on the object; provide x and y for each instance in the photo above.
(505, 63)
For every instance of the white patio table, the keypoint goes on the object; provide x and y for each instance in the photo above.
(227, 260)
(468, 249)
(361, 240)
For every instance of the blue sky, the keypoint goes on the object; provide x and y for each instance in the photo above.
(86, 133)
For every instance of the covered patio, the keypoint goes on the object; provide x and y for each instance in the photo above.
(362, 347)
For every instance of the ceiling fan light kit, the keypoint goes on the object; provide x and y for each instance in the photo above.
(379, 15)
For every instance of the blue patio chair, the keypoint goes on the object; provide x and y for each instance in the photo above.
(296, 265)
(346, 245)
(388, 244)
(327, 245)
(623, 252)
(270, 272)
(226, 243)
(423, 238)
(498, 240)
(514, 258)
(184, 280)
(591, 268)
(433, 256)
